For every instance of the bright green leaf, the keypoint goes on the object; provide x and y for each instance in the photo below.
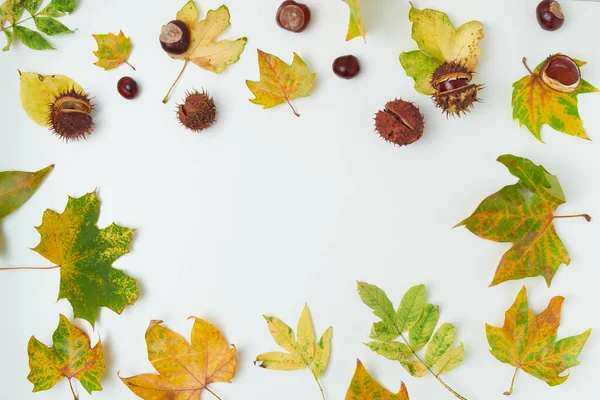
(377, 300)
(59, 8)
(50, 26)
(411, 307)
(421, 333)
(32, 5)
(32, 39)
(420, 67)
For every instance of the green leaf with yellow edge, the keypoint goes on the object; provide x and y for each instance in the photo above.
(523, 214)
(355, 26)
(113, 50)
(50, 26)
(535, 104)
(528, 342)
(184, 369)
(203, 50)
(59, 8)
(439, 41)
(13, 10)
(32, 6)
(279, 82)
(71, 357)
(301, 351)
(39, 91)
(84, 253)
(16, 187)
(419, 319)
(31, 38)
(364, 387)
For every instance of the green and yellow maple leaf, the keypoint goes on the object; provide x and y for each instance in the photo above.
(71, 357)
(113, 50)
(301, 351)
(279, 83)
(415, 316)
(364, 387)
(84, 253)
(16, 187)
(355, 26)
(203, 50)
(535, 104)
(184, 370)
(523, 214)
(527, 341)
(439, 41)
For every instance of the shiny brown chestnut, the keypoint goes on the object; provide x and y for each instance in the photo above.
(293, 16)
(550, 15)
(175, 37)
(561, 73)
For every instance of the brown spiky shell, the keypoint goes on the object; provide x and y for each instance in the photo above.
(400, 122)
(69, 115)
(197, 112)
(462, 95)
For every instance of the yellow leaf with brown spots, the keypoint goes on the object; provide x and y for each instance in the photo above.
(527, 342)
(84, 253)
(71, 357)
(523, 214)
(184, 369)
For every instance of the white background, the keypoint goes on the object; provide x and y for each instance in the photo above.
(266, 211)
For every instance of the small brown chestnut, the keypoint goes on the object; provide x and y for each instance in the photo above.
(175, 37)
(346, 67)
(550, 15)
(293, 16)
(561, 73)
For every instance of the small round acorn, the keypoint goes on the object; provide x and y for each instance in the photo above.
(198, 111)
(549, 15)
(561, 73)
(69, 116)
(293, 16)
(175, 37)
(453, 91)
(400, 122)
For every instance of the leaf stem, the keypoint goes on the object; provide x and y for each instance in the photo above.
(586, 216)
(211, 392)
(527, 66)
(127, 62)
(72, 390)
(454, 392)
(28, 268)
(2, 29)
(512, 384)
(166, 99)
(319, 384)
(292, 107)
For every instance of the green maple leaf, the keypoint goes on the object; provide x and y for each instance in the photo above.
(527, 342)
(71, 357)
(523, 214)
(419, 319)
(84, 254)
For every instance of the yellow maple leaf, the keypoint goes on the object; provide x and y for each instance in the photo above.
(364, 387)
(203, 50)
(279, 82)
(184, 370)
(113, 50)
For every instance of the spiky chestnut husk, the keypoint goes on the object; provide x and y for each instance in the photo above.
(453, 91)
(400, 122)
(198, 111)
(69, 115)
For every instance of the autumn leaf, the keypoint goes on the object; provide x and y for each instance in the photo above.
(39, 91)
(419, 319)
(527, 342)
(71, 357)
(301, 351)
(184, 370)
(535, 104)
(364, 387)
(84, 253)
(355, 26)
(12, 11)
(203, 50)
(113, 50)
(523, 213)
(439, 41)
(279, 82)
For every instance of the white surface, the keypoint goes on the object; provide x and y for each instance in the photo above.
(267, 211)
